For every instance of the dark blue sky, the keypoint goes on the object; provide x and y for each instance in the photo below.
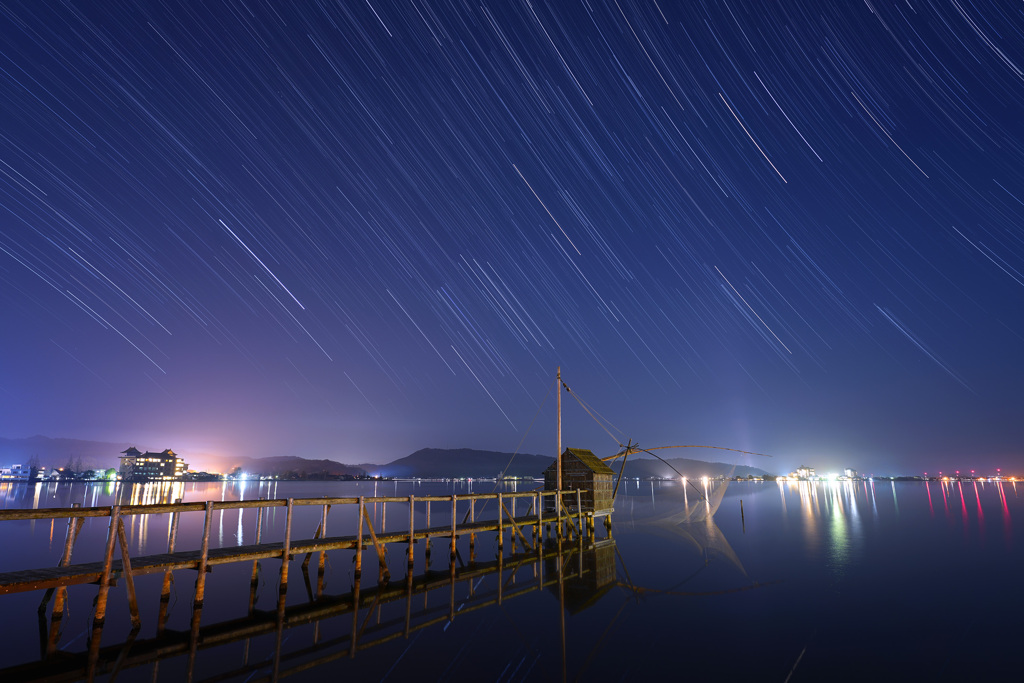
(354, 229)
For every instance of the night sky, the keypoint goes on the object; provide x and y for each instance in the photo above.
(353, 229)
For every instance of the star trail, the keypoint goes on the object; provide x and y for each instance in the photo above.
(350, 230)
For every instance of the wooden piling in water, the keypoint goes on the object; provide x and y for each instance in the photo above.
(454, 521)
(359, 544)
(129, 581)
(286, 551)
(501, 530)
(412, 534)
(538, 532)
(108, 560)
(204, 555)
(383, 573)
(579, 512)
(426, 546)
(472, 536)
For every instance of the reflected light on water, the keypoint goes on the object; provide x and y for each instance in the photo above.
(981, 513)
(963, 503)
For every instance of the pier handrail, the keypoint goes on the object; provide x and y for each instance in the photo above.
(163, 508)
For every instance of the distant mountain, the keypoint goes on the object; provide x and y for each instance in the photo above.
(649, 467)
(427, 463)
(302, 467)
(437, 463)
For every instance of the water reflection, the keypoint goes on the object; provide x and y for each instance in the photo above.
(856, 539)
(577, 575)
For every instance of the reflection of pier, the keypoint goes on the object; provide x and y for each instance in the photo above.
(570, 530)
(578, 564)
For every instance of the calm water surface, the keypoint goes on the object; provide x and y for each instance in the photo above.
(816, 582)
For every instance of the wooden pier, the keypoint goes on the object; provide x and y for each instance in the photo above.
(524, 519)
(566, 519)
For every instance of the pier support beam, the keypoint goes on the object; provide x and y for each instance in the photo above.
(501, 528)
(454, 522)
(382, 559)
(204, 552)
(359, 541)
(412, 535)
(286, 551)
(129, 581)
(108, 560)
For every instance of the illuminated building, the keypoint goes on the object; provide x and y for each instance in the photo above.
(805, 472)
(163, 466)
(15, 473)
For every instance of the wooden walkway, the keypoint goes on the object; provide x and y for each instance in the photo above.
(92, 572)
(526, 529)
(555, 515)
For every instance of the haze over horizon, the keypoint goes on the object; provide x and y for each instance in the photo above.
(354, 231)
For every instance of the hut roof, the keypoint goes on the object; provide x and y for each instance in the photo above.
(587, 457)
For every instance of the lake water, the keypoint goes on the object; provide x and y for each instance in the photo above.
(816, 582)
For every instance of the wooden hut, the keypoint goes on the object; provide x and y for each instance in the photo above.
(581, 469)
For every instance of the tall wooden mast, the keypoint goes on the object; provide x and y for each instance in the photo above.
(558, 458)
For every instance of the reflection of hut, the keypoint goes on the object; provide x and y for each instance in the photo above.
(581, 469)
(585, 583)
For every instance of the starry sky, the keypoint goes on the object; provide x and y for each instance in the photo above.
(353, 229)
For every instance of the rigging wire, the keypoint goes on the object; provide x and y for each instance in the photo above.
(501, 477)
(590, 412)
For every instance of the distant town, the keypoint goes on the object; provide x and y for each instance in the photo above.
(168, 466)
(136, 466)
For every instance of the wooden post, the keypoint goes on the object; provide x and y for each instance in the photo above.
(412, 536)
(538, 536)
(579, 511)
(472, 536)
(69, 541)
(256, 563)
(515, 529)
(287, 545)
(359, 555)
(426, 546)
(323, 536)
(165, 589)
(512, 519)
(129, 582)
(201, 579)
(108, 559)
(558, 456)
(74, 526)
(558, 513)
(453, 530)
(501, 530)
(382, 561)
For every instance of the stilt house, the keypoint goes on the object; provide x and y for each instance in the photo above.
(581, 469)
